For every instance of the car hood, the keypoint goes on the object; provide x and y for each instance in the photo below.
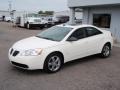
(33, 43)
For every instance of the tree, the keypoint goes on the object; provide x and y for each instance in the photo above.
(40, 12)
(49, 12)
(46, 12)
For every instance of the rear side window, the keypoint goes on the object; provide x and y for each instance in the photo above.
(90, 31)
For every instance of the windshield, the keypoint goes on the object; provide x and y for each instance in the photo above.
(55, 33)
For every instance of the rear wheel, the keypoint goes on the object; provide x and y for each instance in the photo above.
(106, 51)
(53, 63)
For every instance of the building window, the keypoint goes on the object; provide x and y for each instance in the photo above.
(102, 20)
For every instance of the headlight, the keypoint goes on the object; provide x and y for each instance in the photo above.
(31, 52)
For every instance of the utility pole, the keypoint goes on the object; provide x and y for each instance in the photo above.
(10, 6)
(11, 12)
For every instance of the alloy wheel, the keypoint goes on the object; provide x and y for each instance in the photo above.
(106, 51)
(54, 63)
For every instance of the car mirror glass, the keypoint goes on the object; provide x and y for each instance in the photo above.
(72, 39)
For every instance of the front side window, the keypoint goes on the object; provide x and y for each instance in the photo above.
(78, 34)
(102, 20)
(90, 31)
(55, 33)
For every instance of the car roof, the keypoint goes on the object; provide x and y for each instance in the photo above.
(75, 26)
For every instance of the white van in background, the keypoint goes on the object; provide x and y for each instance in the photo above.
(1, 18)
(8, 19)
(32, 20)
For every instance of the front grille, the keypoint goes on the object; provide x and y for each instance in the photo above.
(19, 65)
(11, 51)
(15, 53)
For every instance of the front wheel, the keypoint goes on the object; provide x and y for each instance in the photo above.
(53, 63)
(106, 51)
(46, 25)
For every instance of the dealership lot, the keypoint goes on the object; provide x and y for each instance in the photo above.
(91, 73)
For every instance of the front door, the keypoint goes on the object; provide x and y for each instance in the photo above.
(77, 48)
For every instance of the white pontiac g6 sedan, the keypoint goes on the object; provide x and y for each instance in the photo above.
(59, 44)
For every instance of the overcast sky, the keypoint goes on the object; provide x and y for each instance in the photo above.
(35, 5)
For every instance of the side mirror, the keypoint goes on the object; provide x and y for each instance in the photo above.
(72, 39)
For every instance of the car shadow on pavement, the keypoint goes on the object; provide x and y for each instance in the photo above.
(27, 72)
(34, 28)
(88, 59)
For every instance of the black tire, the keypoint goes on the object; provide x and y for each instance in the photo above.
(53, 63)
(25, 25)
(41, 26)
(46, 25)
(106, 51)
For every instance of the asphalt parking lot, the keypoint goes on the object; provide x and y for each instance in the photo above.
(91, 73)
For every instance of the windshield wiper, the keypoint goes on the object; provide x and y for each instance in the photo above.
(38, 36)
(46, 38)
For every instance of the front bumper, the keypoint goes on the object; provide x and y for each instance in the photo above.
(27, 62)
